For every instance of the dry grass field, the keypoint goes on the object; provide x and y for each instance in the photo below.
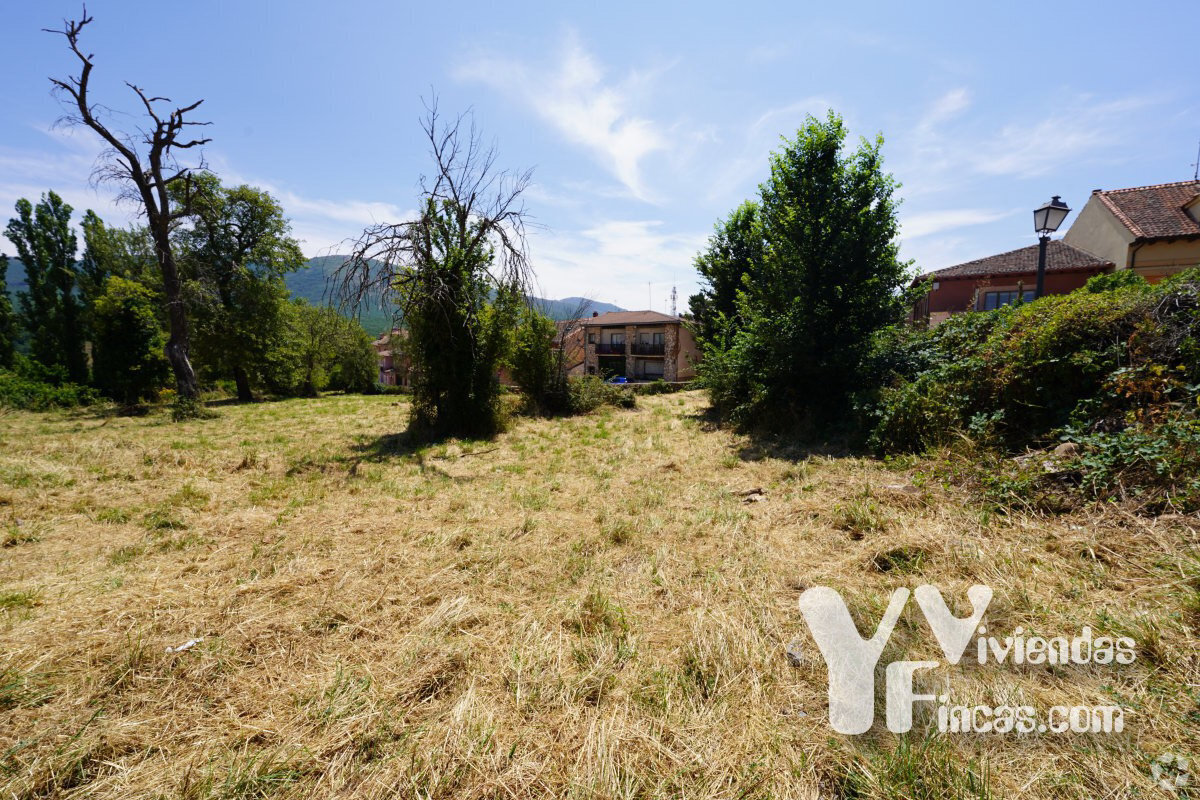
(581, 608)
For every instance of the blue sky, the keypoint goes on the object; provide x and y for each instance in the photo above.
(644, 122)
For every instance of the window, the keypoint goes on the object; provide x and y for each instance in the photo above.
(659, 338)
(591, 338)
(616, 338)
(994, 300)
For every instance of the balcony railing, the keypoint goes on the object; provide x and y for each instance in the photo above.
(610, 349)
(647, 349)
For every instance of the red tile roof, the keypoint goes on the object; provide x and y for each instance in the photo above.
(630, 318)
(1154, 212)
(1060, 257)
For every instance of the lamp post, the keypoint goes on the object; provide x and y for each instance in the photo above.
(1046, 221)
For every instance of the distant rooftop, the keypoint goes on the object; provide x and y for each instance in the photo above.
(1060, 257)
(630, 318)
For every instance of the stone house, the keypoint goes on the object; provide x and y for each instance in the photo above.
(640, 346)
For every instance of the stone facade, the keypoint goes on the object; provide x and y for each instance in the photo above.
(650, 346)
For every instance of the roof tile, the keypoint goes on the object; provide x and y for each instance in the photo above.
(1060, 257)
(630, 318)
(1154, 212)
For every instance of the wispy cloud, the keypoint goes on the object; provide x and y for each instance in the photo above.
(1036, 147)
(614, 260)
(933, 222)
(944, 148)
(576, 98)
(66, 161)
(946, 107)
(738, 163)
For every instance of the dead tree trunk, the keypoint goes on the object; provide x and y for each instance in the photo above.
(149, 179)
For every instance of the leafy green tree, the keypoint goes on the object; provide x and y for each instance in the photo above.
(235, 251)
(128, 252)
(321, 350)
(8, 321)
(50, 310)
(355, 367)
(732, 260)
(538, 361)
(830, 279)
(458, 272)
(128, 349)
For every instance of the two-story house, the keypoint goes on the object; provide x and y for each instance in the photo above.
(395, 368)
(639, 346)
(1152, 230)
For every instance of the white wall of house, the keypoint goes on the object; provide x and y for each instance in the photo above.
(1097, 231)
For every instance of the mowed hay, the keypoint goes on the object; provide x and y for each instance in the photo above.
(601, 606)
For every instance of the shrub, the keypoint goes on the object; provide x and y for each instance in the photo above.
(1013, 375)
(128, 355)
(1155, 464)
(1114, 368)
(588, 393)
(538, 364)
(659, 386)
(17, 391)
(1120, 279)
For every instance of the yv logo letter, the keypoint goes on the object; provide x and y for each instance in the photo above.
(851, 660)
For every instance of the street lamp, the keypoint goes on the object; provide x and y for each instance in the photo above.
(1046, 221)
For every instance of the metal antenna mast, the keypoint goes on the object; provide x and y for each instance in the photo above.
(1196, 172)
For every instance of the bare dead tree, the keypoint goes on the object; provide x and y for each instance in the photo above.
(155, 179)
(466, 243)
(387, 262)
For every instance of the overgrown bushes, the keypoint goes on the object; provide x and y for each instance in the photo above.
(1113, 368)
(588, 393)
(32, 388)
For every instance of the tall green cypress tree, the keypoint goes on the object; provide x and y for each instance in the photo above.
(50, 310)
(830, 278)
(8, 327)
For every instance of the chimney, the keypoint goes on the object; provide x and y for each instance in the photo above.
(595, 313)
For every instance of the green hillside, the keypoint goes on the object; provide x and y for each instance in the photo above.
(312, 283)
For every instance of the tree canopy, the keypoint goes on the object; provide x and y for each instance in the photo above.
(458, 273)
(234, 250)
(830, 277)
(50, 309)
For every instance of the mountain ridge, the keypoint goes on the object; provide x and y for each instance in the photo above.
(312, 280)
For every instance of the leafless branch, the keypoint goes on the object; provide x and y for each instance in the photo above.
(388, 262)
(147, 177)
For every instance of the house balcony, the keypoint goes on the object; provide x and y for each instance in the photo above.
(646, 349)
(609, 349)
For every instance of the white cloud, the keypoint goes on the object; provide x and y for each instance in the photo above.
(575, 98)
(65, 165)
(1032, 148)
(946, 107)
(942, 150)
(612, 261)
(930, 222)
